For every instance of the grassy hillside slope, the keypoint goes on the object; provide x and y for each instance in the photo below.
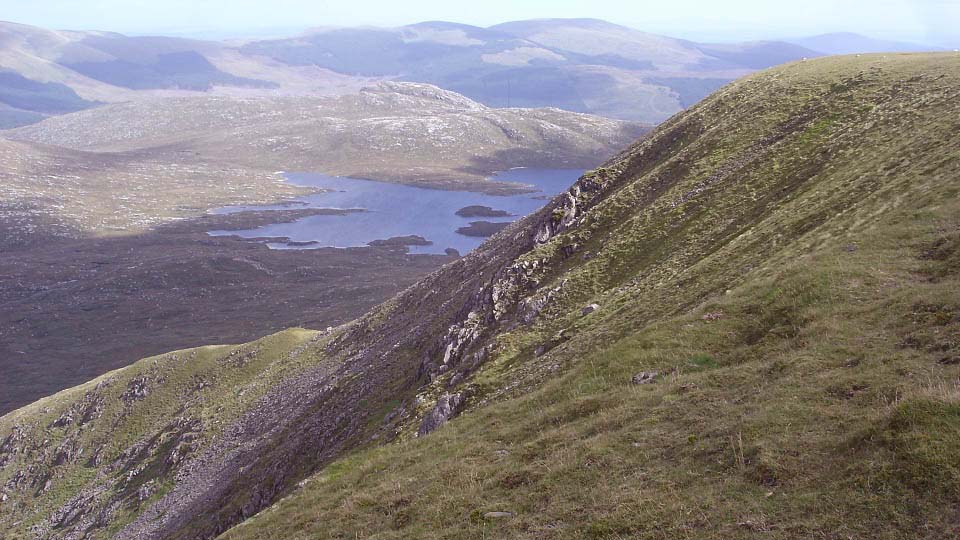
(784, 256)
(789, 266)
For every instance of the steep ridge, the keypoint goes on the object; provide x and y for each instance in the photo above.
(745, 328)
(783, 256)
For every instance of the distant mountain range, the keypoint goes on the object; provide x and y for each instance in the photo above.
(578, 65)
(849, 43)
(581, 65)
(45, 72)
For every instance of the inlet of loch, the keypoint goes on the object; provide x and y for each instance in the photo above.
(385, 210)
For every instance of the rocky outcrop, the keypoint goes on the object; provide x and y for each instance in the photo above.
(513, 295)
(446, 408)
(12, 445)
(575, 201)
(644, 377)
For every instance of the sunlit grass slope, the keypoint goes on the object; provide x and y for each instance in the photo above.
(786, 256)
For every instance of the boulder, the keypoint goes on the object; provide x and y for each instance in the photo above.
(447, 407)
(589, 309)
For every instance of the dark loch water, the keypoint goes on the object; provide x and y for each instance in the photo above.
(392, 210)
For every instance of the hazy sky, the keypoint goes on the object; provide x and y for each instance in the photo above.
(931, 21)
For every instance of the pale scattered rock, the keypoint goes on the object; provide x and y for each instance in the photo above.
(645, 377)
(145, 491)
(65, 420)
(136, 390)
(497, 515)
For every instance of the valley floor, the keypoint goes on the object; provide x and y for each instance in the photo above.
(73, 309)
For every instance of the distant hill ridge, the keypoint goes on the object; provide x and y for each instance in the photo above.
(579, 65)
(850, 43)
(393, 131)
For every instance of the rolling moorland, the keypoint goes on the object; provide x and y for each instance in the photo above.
(578, 65)
(110, 238)
(745, 325)
(49, 191)
(396, 132)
